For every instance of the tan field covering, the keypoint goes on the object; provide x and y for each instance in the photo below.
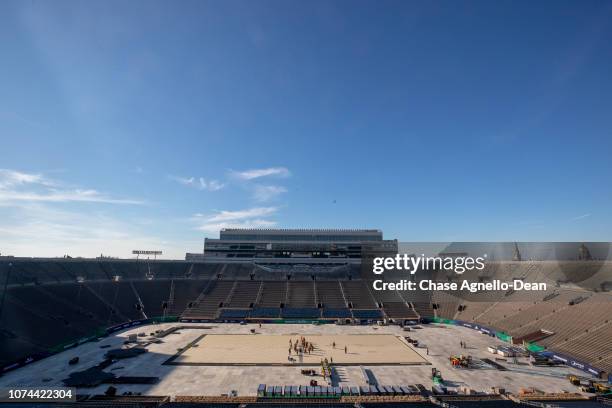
(274, 349)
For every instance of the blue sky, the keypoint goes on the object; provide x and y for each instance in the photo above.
(152, 124)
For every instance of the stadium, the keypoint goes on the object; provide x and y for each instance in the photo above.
(290, 317)
(312, 204)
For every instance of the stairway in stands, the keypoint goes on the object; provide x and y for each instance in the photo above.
(329, 293)
(212, 297)
(301, 294)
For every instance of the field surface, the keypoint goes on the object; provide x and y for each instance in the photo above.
(382, 346)
(249, 349)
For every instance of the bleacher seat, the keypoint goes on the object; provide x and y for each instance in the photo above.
(234, 313)
(51, 302)
(367, 314)
(266, 312)
(272, 294)
(301, 313)
(336, 313)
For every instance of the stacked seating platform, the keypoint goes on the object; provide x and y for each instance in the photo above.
(48, 303)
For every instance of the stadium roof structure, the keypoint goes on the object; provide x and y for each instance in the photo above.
(250, 234)
(301, 230)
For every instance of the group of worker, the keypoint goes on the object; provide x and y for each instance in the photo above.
(326, 368)
(301, 345)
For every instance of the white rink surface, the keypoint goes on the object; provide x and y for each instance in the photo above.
(442, 341)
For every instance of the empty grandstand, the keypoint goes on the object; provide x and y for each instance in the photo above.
(50, 305)
(82, 296)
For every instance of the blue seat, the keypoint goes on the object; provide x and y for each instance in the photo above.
(301, 313)
(367, 313)
(337, 313)
(234, 313)
(266, 312)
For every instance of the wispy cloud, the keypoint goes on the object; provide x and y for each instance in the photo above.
(200, 183)
(60, 196)
(242, 214)
(580, 217)
(59, 231)
(257, 173)
(18, 187)
(12, 178)
(248, 218)
(266, 193)
(216, 227)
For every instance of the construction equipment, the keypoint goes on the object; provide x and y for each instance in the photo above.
(587, 388)
(461, 361)
(591, 385)
(600, 388)
(436, 376)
